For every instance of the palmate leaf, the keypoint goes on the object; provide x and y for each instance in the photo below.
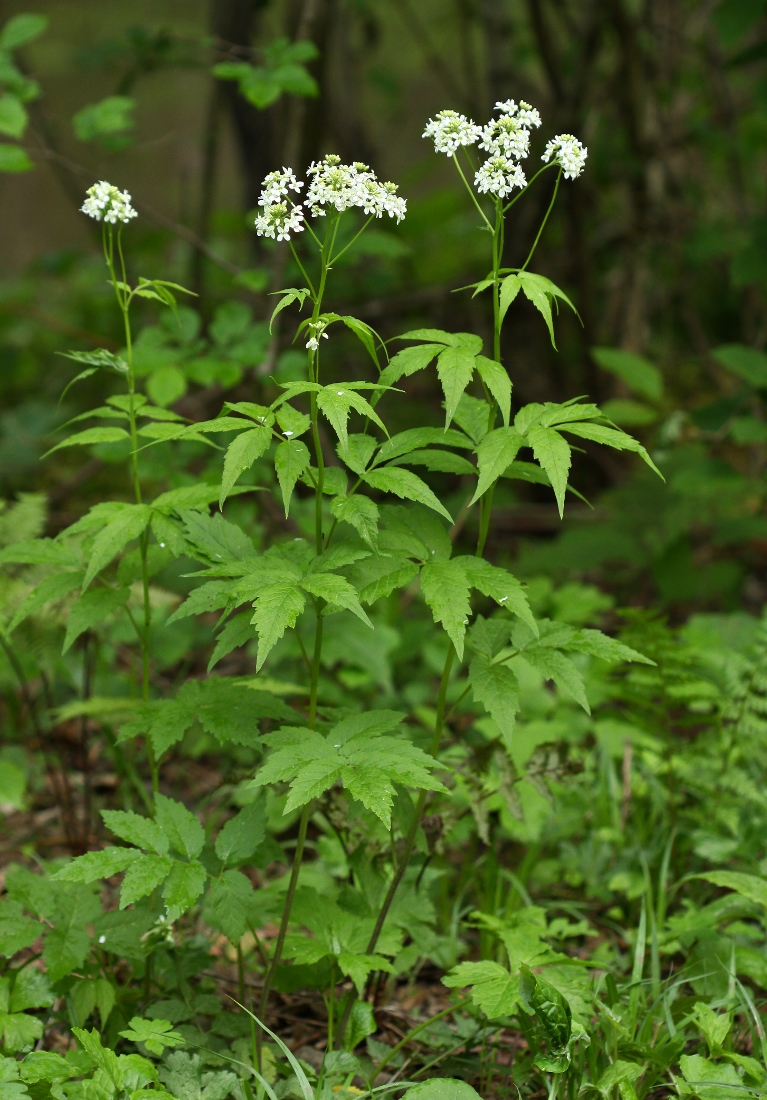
(97, 865)
(494, 989)
(127, 524)
(183, 886)
(183, 830)
(553, 454)
(337, 401)
(240, 456)
(409, 361)
(242, 834)
(230, 902)
(358, 752)
(500, 586)
(496, 687)
(278, 607)
(538, 290)
(92, 608)
(138, 830)
(359, 512)
(406, 486)
(495, 454)
(291, 460)
(337, 591)
(498, 383)
(446, 589)
(557, 667)
(52, 588)
(143, 876)
(455, 368)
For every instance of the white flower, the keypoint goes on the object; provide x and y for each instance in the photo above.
(450, 130)
(343, 186)
(499, 176)
(106, 203)
(317, 331)
(509, 134)
(568, 153)
(276, 186)
(278, 221)
(524, 113)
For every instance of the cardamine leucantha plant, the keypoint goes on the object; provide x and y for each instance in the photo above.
(363, 531)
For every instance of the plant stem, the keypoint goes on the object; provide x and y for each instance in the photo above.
(409, 841)
(543, 223)
(473, 196)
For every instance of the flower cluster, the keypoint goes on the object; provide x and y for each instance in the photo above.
(317, 331)
(332, 184)
(106, 203)
(499, 176)
(450, 131)
(343, 186)
(568, 153)
(509, 134)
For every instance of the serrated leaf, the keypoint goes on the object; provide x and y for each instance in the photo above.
(242, 834)
(446, 589)
(409, 361)
(229, 905)
(291, 460)
(141, 831)
(336, 590)
(455, 368)
(553, 454)
(493, 988)
(154, 1034)
(278, 607)
(416, 438)
(127, 525)
(241, 453)
(143, 876)
(500, 586)
(497, 689)
(597, 644)
(336, 401)
(93, 607)
(52, 588)
(67, 945)
(361, 513)
(748, 886)
(31, 989)
(498, 383)
(405, 485)
(183, 886)
(236, 633)
(611, 437)
(97, 865)
(180, 826)
(358, 452)
(510, 288)
(437, 461)
(495, 454)
(540, 291)
(90, 437)
(16, 930)
(555, 666)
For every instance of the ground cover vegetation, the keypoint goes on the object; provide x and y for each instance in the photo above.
(342, 754)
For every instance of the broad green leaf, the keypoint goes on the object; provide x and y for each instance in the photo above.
(495, 454)
(52, 588)
(242, 834)
(183, 886)
(105, 1059)
(442, 1088)
(31, 989)
(230, 902)
(748, 886)
(553, 454)
(409, 361)
(92, 608)
(16, 930)
(446, 589)
(127, 525)
(44, 1065)
(378, 577)
(498, 383)
(291, 460)
(241, 453)
(337, 400)
(183, 830)
(611, 437)
(359, 450)
(493, 988)
(437, 461)
(14, 159)
(405, 485)
(236, 633)
(208, 597)
(555, 415)
(141, 831)
(540, 291)
(96, 865)
(13, 116)
(67, 945)
(91, 436)
(19, 1032)
(639, 374)
(500, 586)
(473, 415)
(601, 645)
(416, 438)
(747, 363)
(336, 590)
(496, 687)
(510, 288)
(143, 876)
(555, 666)
(154, 1034)
(359, 512)
(278, 607)
(21, 29)
(455, 368)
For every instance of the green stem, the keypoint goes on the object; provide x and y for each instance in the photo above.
(301, 266)
(346, 247)
(410, 839)
(473, 196)
(315, 667)
(543, 223)
(484, 521)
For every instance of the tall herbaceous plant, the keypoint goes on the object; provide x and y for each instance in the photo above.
(379, 528)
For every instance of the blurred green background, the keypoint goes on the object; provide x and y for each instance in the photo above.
(662, 244)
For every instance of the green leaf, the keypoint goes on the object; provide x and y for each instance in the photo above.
(446, 589)
(638, 373)
(19, 1032)
(493, 989)
(438, 461)
(52, 588)
(406, 485)
(498, 383)
(540, 291)
(31, 989)
(473, 416)
(240, 456)
(16, 930)
(93, 607)
(500, 586)
(90, 436)
(278, 607)
(44, 1065)
(455, 368)
(495, 454)
(105, 1059)
(165, 386)
(336, 402)
(230, 904)
(242, 834)
(291, 460)
(21, 29)
(358, 452)
(496, 687)
(442, 1088)
(359, 512)
(97, 865)
(409, 361)
(143, 876)
(597, 644)
(747, 363)
(180, 826)
(141, 831)
(67, 945)
(288, 296)
(555, 666)
(127, 525)
(14, 159)
(236, 633)
(748, 886)
(337, 591)
(292, 422)
(154, 1034)
(13, 116)
(101, 357)
(104, 121)
(416, 438)
(183, 886)
(611, 437)
(510, 288)
(553, 454)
